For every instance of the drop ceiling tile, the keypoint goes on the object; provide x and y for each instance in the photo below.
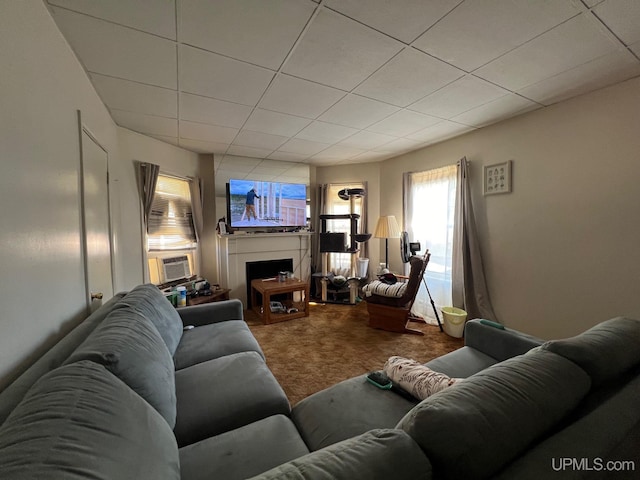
(403, 123)
(635, 48)
(569, 45)
(152, 16)
(302, 147)
(370, 156)
(440, 131)
(475, 33)
(407, 77)
(401, 145)
(592, 3)
(254, 31)
(216, 112)
(367, 140)
(116, 51)
(492, 112)
(265, 141)
(323, 132)
(401, 19)
(288, 157)
(147, 124)
(357, 112)
(199, 146)
(207, 133)
(598, 73)
(212, 75)
(299, 97)
(275, 123)
(136, 97)
(622, 17)
(339, 52)
(341, 152)
(459, 96)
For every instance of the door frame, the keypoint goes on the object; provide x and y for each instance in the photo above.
(82, 130)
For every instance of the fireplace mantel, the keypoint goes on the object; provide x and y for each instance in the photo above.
(234, 251)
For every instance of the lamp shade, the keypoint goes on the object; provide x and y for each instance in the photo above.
(387, 227)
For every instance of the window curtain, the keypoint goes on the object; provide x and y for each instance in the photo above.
(320, 207)
(147, 179)
(429, 204)
(197, 203)
(196, 206)
(469, 284)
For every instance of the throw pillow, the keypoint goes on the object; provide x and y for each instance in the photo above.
(415, 378)
(379, 288)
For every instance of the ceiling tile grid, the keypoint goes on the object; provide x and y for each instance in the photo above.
(340, 81)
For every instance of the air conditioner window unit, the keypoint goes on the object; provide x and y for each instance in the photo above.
(175, 268)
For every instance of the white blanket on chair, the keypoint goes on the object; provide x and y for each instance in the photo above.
(384, 289)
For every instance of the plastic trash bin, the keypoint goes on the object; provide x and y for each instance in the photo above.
(363, 267)
(454, 320)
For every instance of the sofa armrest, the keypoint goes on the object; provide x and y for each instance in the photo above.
(500, 344)
(375, 455)
(214, 312)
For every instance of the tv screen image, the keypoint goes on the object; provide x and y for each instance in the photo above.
(266, 204)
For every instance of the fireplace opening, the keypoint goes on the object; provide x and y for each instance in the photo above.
(266, 269)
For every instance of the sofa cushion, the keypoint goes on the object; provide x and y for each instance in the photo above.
(461, 363)
(243, 452)
(596, 435)
(149, 301)
(604, 351)
(374, 455)
(415, 378)
(81, 422)
(226, 393)
(130, 347)
(213, 341)
(472, 429)
(346, 409)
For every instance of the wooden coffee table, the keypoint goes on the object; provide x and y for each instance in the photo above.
(268, 287)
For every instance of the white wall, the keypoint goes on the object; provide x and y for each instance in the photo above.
(561, 251)
(42, 290)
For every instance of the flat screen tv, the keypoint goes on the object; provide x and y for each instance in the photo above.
(252, 203)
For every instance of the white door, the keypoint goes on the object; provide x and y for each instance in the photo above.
(97, 231)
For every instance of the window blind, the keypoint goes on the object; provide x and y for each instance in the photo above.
(170, 224)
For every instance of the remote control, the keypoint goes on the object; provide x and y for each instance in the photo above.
(380, 380)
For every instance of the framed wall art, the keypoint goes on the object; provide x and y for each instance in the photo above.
(497, 178)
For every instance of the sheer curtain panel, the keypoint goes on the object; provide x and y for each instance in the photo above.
(429, 219)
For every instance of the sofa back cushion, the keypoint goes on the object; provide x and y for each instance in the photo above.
(148, 300)
(14, 393)
(81, 422)
(473, 428)
(129, 346)
(605, 351)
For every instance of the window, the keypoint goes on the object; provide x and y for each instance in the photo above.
(170, 224)
(340, 263)
(429, 213)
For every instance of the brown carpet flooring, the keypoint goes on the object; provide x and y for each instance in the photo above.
(335, 343)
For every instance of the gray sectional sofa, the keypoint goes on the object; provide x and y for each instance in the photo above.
(139, 390)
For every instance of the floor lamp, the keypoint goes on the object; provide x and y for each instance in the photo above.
(387, 228)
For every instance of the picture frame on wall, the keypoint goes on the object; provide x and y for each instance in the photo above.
(497, 178)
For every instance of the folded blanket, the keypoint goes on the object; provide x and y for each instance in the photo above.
(415, 378)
